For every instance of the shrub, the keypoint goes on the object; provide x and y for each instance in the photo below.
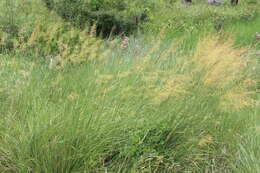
(114, 16)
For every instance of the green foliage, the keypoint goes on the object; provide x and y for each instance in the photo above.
(8, 24)
(110, 17)
(9, 21)
(13, 28)
(179, 17)
(153, 106)
(247, 159)
(145, 112)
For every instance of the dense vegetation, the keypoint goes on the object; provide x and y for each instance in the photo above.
(110, 17)
(180, 94)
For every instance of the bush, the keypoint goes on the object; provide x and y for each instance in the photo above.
(110, 17)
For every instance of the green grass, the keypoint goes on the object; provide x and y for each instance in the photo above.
(179, 102)
(102, 116)
(244, 32)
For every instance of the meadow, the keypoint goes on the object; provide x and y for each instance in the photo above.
(180, 95)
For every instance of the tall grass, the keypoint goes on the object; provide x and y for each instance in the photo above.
(153, 112)
(247, 159)
(72, 103)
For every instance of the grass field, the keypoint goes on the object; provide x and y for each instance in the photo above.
(167, 101)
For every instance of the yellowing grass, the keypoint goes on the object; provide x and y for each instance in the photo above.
(152, 112)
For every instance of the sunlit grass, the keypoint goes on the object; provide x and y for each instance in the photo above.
(154, 112)
(73, 103)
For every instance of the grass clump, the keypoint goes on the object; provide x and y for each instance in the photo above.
(154, 112)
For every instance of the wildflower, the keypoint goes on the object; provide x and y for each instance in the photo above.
(125, 43)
